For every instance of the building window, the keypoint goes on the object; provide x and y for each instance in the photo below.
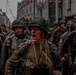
(26, 11)
(69, 5)
(60, 12)
(30, 10)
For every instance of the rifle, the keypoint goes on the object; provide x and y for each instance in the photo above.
(69, 61)
(69, 57)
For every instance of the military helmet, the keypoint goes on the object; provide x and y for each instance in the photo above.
(61, 22)
(72, 25)
(25, 20)
(17, 23)
(3, 25)
(55, 23)
(67, 26)
(40, 23)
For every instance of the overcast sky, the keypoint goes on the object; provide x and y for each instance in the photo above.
(12, 6)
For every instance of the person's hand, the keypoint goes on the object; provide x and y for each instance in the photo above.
(57, 72)
(63, 59)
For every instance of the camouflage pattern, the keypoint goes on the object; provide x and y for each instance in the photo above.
(21, 53)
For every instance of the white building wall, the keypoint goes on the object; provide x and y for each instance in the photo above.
(65, 7)
(45, 11)
(29, 14)
(74, 7)
(34, 11)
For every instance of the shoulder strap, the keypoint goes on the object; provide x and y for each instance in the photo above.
(25, 51)
(52, 46)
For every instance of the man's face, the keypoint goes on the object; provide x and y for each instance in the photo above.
(2, 27)
(62, 25)
(18, 30)
(56, 26)
(36, 34)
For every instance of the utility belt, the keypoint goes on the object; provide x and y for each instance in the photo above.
(40, 70)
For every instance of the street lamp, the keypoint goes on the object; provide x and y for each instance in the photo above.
(40, 6)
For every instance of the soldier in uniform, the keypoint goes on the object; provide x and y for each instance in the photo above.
(69, 28)
(3, 28)
(68, 53)
(57, 34)
(26, 21)
(2, 38)
(55, 26)
(12, 41)
(38, 55)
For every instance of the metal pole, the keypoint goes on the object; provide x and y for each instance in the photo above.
(6, 12)
(57, 10)
(41, 12)
(34, 9)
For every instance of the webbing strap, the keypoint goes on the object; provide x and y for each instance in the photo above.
(35, 53)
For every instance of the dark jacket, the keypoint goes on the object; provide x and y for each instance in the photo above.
(56, 36)
(70, 41)
(10, 44)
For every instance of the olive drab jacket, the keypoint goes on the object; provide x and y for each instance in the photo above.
(10, 44)
(56, 36)
(26, 53)
(2, 38)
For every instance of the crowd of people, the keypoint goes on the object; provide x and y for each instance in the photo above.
(32, 48)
